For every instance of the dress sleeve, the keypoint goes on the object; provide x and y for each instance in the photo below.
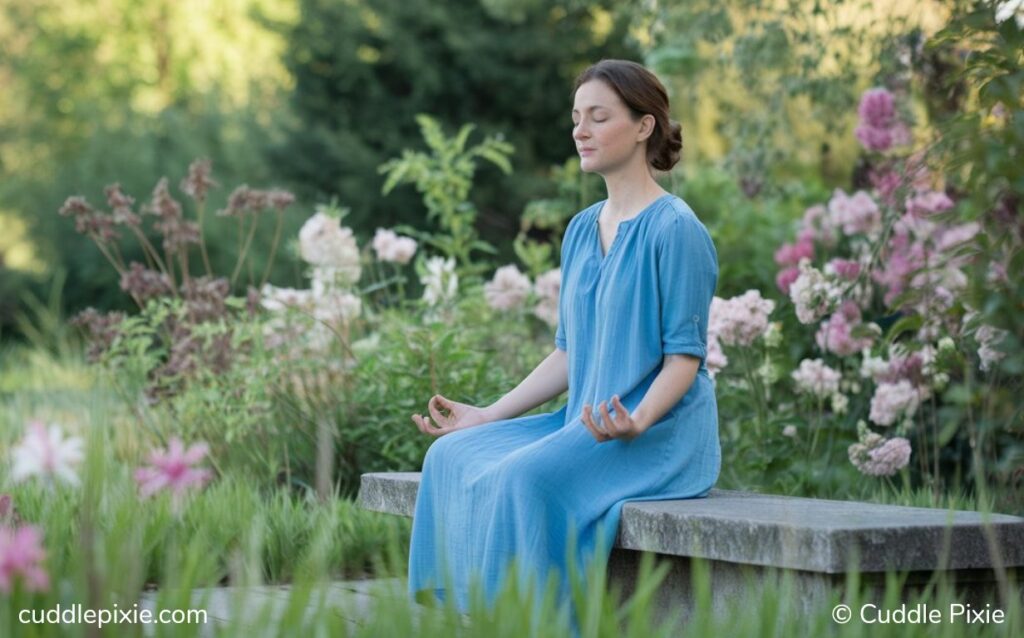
(560, 342)
(687, 275)
(560, 331)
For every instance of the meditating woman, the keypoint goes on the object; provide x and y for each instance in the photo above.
(638, 274)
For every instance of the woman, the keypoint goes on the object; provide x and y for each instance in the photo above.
(638, 274)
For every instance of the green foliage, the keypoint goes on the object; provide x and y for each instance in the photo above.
(504, 66)
(444, 178)
(981, 132)
(549, 216)
(779, 75)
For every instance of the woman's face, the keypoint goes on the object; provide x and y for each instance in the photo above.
(606, 135)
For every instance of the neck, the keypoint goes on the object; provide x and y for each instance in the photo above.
(629, 191)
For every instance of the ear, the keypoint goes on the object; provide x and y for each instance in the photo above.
(646, 127)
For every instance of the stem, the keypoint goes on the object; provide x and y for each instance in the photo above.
(817, 425)
(149, 250)
(201, 210)
(755, 387)
(245, 249)
(273, 248)
(183, 256)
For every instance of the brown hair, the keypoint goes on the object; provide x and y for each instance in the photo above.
(644, 94)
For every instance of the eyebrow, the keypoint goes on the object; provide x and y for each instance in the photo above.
(591, 108)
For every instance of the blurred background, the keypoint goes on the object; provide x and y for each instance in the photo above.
(313, 95)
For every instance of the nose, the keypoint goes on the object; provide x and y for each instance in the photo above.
(579, 132)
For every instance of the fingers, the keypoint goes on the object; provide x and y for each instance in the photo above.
(424, 425)
(609, 425)
(432, 406)
(588, 421)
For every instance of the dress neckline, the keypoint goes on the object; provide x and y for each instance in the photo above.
(615, 240)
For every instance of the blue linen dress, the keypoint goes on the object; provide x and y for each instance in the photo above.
(533, 488)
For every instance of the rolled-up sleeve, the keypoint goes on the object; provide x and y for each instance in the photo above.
(560, 341)
(687, 276)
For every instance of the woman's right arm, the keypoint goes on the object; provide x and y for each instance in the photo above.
(548, 380)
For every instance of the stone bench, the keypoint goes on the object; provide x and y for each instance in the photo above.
(743, 535)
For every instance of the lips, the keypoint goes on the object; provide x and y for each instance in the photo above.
(584, 151)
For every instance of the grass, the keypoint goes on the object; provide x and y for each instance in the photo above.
(105, 546)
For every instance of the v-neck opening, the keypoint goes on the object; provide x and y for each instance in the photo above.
(618, 229)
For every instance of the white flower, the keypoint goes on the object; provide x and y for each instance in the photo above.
(840, 403)
(716, 359)
(789, 430)
(508, 289)
(1011, 8)
(815, 378)
(44, 452)
(739, 321)
(811, 293)
(440, 283)
(323, 242)
(873, 367)
(988, 337)
(773, 334)
(337, 307)
(277, 299)
(548, 284)
(392, 247)
(893, 402)
(547, 311)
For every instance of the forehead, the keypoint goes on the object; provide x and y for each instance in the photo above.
(594, 94)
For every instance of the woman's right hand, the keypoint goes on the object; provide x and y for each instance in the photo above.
(460, 416)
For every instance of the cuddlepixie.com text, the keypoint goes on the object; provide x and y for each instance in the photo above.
(76, 614)
(919, 614)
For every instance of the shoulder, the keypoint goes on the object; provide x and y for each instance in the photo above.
(587, 214)
(584, 216)
(677, 226)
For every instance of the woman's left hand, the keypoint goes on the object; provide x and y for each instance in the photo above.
(605, 428)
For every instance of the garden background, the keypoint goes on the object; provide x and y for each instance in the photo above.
(244, 240)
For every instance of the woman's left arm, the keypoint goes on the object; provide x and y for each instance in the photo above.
(677, 374)
(673, 381)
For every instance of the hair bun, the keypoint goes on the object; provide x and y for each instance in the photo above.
(665, 157)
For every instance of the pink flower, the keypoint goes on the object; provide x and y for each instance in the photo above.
(877, 456)
(953, 236)
(874, 138)
(894, 402)
(926, 203)
(548, 284)
(847, 269)
(740, 320)
(391, 247)
(785, 279)
(885, 182)
(791, 254)
(856, 213)
(835, 334)
(879, 128)
(817, 225)
(172, 470)
(716, 359)
(547, 311)
(21, 553)
(508, 289)
(547, 287)
(877, 108)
